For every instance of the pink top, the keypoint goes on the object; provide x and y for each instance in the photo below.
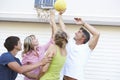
(30, 57)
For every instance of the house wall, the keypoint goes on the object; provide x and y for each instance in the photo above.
(99, 12)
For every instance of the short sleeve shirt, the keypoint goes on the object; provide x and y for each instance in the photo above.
(5, 72)
(76, 60)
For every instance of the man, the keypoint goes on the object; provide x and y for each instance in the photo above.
(78, 51)
(10, 65)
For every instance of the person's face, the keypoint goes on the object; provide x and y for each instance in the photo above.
(35, 41)
(79, 35)
(19, 46)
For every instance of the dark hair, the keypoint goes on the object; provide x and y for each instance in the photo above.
(86, 33)
(60, 36)
(10, 42)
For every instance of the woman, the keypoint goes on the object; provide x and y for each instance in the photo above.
(33, 52)
(51, 71)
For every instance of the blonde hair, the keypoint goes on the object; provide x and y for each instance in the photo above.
(60, 38)
(28, 44)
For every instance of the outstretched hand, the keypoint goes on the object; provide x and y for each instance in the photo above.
(79, 21)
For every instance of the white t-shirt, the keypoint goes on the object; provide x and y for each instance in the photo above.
(77, 57)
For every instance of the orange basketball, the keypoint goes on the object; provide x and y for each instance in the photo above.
(60, 5)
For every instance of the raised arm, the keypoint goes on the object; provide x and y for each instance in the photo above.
(60, 19)
(95, 34)
(52, 22)
(54, 28)
(61, 23)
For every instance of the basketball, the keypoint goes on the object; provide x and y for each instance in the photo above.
(60, 5)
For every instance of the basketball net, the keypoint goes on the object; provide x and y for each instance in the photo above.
(43, 8)
(43, 14)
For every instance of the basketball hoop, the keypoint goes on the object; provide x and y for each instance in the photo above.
(43, 8)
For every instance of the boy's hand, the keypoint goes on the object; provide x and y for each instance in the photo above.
(46, 60)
